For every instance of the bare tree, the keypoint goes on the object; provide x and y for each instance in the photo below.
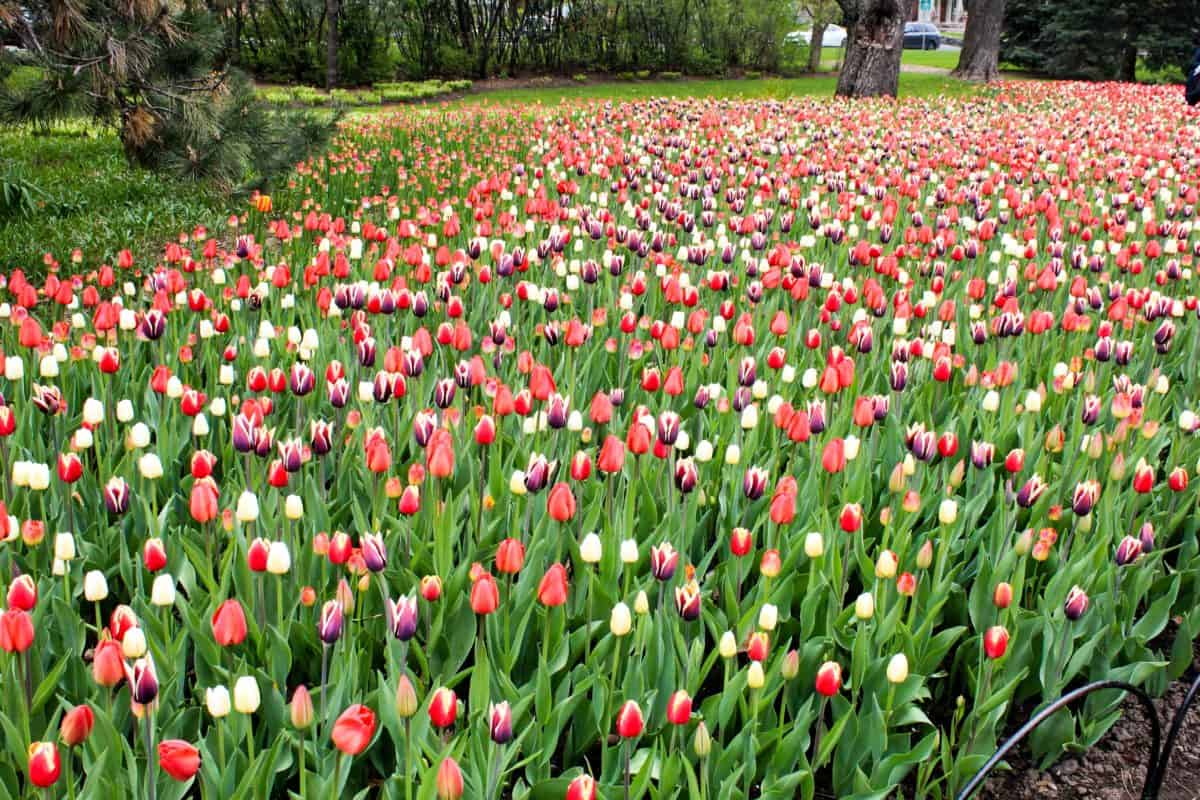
(980, 56)
(875, 31)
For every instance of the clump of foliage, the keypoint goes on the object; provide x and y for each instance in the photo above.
(154, 70)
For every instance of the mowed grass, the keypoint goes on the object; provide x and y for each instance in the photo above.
(911, 85)
(936, 59)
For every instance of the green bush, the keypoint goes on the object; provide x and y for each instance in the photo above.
(670, 76)
(642, 74)
(624, 76)
(751, 74)
(579, 77)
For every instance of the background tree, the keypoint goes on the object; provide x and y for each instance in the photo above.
(875, 34)
(979, 59)
(1099, 39)
(823, 13)
(148, 68)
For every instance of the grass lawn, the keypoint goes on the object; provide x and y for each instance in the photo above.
(911, 85)
(939, 59)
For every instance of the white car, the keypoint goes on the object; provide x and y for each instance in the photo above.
(835, 36)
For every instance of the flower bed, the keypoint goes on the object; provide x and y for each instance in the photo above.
(704, 448)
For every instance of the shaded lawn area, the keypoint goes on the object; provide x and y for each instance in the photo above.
(86, 196)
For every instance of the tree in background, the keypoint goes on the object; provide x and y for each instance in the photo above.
(980, 56)
(823, 13)
(148, 68)
(1099, 39)
(875, 34)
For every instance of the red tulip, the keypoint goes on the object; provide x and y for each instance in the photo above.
(629, 720)
(203, 504)
(679, 708)
(44, 764)
(582, 788)
(70, 468)
(449, 780)
(560, 503)
(256, 556)
(612, 455)
(229, 624)
(485, 596)
(833, 457)
(431, 588)
(740, 542)
(829, 679)
(510, 556)
(154, 554)
(354, 729)
(758, 646)
(995, 641)
(22, 593)
(178, 759)
(1003, 595)
(552, 591)
(851, 517)
(443, 708)
(439, 454)
(108, 663)
(16, 631)
(77, 725)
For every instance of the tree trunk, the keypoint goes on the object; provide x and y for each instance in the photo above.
(871, 67)
(814, 47)
(331, 44)
(980, 56)
(1129, 63)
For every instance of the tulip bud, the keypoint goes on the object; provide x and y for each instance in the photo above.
(162, 592)
(406, 698)
(620, 622)
(500, 722)
(864, 606)
(1076, 603)
(885, 565)
(727, 646)
(947, 512)
(629, 551)
(133, 645)
(246, 697)
(629, 720)
(897, 668)
(449, 780)
(768, 616)
(582, 787)
(702, 741)
(755, 677)
(64, 547)
(301, 708)
(293, 507)
(790, 667)
(77, 725)
(829, 679)
(995, 642)
(641, 604)
(590, 549)
(1002, 596)
(216, 699)
(814, 545)
(925, 555)
(247, 507)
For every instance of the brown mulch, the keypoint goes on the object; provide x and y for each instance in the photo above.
(1115, 768)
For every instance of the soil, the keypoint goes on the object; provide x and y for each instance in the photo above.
(1115, 768)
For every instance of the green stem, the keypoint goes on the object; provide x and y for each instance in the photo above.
(151, 782)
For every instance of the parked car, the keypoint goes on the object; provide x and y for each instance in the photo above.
(834, 36)
(921, 36)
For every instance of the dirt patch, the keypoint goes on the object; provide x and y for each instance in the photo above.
(1115, 769)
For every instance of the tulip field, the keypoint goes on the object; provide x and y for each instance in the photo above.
(656, 449)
